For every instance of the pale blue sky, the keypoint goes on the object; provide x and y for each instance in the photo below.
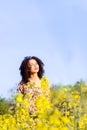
(53, 30)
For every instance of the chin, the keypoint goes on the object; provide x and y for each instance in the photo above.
(36, 71)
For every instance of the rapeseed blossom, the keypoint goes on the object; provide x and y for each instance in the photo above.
(64, 112)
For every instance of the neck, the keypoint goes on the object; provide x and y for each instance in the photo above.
(34, 77)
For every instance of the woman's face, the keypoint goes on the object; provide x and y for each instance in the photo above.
(33, 65)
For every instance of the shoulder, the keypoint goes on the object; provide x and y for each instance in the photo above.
(20, 87)
(45, 81)
(20, 84)
(44, 77)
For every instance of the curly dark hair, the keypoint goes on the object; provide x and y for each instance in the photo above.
(24, 68)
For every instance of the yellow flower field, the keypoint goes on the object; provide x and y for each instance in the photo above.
(66, 110)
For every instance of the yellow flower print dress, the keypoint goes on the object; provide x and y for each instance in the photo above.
(32, 92)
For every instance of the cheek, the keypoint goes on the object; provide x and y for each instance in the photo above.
(38, 67)
(32, 68)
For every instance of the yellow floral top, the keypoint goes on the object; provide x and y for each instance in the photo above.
(30, 91)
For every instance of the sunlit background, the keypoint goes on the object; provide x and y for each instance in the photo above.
(53, 30)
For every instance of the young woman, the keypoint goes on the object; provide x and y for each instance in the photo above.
(33, 82)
